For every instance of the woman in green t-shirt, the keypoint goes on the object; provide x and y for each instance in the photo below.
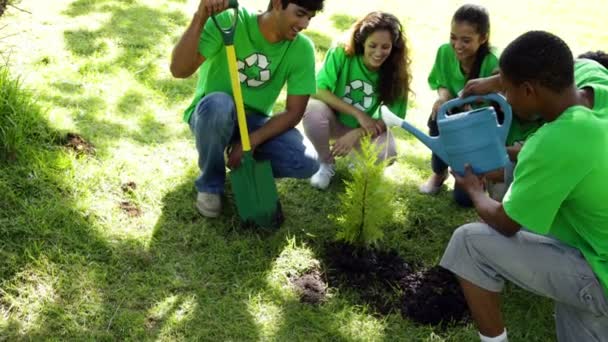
(371, 69)
(467, 56)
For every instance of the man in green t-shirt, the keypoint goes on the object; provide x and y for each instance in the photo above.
(558, 194)
(270, 53)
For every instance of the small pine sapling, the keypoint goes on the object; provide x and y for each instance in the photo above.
(366, 205)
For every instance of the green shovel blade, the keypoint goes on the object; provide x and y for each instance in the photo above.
(255, 193)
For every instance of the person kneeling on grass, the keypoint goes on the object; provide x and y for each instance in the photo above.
(558, 194)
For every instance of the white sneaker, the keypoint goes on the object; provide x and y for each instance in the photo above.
(321, 179)
(208, 204)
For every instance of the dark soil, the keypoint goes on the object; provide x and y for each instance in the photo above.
(365, 267)
(77, 143)
(130, 209)
(387, 283)
(433, 296)
(128, 187)
(311, 287)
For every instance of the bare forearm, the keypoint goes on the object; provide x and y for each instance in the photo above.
(186, 59)
(492, 212)
(277, 124)
(444, 94)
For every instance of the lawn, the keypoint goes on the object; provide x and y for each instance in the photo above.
(103, 242)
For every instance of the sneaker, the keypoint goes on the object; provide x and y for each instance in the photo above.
(433, 185)
(321, 179)
(208, 204)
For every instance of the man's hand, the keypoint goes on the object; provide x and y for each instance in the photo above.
(470, 182)
(481, 86)
(345, 143)
(207, 8)
(235, 154)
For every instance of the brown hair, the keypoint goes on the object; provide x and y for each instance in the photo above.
(395, 76)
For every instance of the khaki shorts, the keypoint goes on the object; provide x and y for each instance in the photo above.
(539, 264)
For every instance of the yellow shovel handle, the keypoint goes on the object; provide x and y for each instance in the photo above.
(238, 97)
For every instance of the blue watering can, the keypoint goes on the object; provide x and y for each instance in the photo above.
(472, 137)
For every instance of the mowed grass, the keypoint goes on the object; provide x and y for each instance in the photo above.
(75, 266)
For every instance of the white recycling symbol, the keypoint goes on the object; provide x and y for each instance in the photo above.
(368, 91)
(261, 62)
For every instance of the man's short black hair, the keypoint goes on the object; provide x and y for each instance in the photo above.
(539, 56)
(598, 56)
(311, 5)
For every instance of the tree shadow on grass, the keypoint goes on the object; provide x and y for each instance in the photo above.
(64, 279)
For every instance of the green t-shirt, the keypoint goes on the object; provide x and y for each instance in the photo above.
(446, 72)
(587, 72)
(600, 98)
(520, 130)
(350, 80)
(560, 185)
(263, 67)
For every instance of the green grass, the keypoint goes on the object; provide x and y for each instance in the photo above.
(74, 266)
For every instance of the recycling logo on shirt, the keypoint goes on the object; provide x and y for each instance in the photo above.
(359, 94)
(254, 71)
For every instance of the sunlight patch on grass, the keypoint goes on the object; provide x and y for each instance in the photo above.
(267, 316)
(360, 326)
(24, 299)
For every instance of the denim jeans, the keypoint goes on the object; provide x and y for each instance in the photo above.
(214, 126)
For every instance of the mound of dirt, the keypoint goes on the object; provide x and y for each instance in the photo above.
(78, 144)
(387, 283)
(311, 287)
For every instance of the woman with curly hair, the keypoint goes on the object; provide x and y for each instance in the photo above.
(370, 69)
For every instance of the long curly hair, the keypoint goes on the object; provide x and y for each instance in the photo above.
(395, 75)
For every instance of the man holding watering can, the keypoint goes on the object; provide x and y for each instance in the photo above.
(550, 233)
(270, 53)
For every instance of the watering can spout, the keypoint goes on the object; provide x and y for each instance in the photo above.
(391, 119)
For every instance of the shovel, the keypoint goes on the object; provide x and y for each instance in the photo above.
(253, 185)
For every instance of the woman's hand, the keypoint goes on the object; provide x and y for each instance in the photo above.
(438, 103)
(368, 124)
(343, 145)
(513, 151)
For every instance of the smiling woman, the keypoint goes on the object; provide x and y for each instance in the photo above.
(371, 69)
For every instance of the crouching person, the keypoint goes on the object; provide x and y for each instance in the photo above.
(558, 194)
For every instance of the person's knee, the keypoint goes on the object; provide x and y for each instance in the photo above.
(462, 235)
(216, 111)
(312, 118)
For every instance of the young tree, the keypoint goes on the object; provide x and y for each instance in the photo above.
(367, 203)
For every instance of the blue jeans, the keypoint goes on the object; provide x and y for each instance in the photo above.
(214, 126)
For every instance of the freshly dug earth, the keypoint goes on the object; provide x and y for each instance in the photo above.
(387, 283)
(77, 143)
(433, 296)
(310, 287)
(130, 209)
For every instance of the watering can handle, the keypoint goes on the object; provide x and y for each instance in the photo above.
(228, 33)
(502, 102)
